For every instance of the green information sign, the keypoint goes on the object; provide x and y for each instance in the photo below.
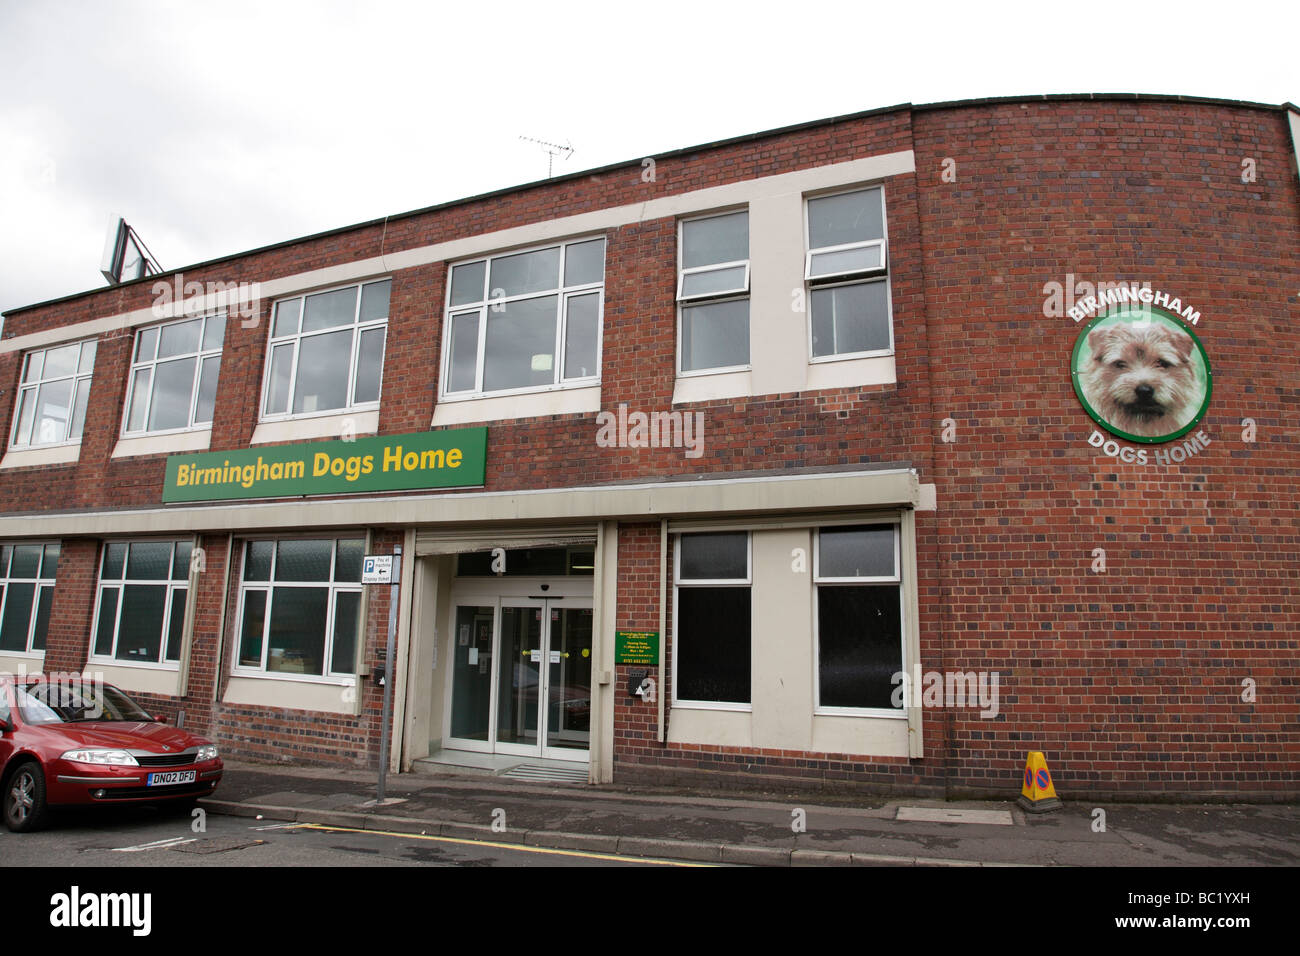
(445, 459)
(636, 647)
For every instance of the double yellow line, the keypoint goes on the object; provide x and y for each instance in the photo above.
(519, 847)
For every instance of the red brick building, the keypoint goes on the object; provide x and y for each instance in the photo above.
(997, 395)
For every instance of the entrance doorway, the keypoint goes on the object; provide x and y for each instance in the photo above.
(520, 680)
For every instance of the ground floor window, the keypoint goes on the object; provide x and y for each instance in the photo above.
(140, 609)
(858, 606)
(300, 606)
(711, 620)
(27, 573)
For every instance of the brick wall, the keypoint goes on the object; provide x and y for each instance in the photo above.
(635, 721)
(1131, 680)
(639, 756)
(73, 610)
(269, 733)
(300, 736)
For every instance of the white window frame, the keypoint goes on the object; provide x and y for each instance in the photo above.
(563, 293)
(41, 582)
(120, 585)
(682, 273)
(882, 242)
(896, 580)
(80, 380)
(201, 355)
(358, 327)
(268, 586)
(881, 273)
(709, 298)
(678, 583)
(845, 247)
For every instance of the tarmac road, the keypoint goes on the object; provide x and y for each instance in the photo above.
(144, 837)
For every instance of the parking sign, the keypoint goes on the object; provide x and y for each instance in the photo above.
(377, 569)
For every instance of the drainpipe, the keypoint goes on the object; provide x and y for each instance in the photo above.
(596, 737)
(405, 623)
(187, 623)
(220, 669)
(663, 617)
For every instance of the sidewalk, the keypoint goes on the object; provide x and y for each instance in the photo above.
(757, 829)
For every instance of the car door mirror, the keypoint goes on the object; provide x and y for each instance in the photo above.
(160, 718)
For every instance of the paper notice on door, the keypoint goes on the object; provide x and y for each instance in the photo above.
(555, 657)
(464, 634)
(473, 656)
(535, 655)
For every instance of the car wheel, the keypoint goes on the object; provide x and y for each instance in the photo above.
(24, 799)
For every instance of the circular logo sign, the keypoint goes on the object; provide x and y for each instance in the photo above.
(1141, 374)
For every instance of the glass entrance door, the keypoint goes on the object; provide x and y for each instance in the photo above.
(521, 677)
(568, 683)
(473, 650)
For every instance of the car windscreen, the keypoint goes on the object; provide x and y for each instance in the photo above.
(54, 703)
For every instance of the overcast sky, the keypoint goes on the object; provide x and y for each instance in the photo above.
(214, 128)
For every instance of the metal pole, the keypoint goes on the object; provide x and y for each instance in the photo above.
(393, 590)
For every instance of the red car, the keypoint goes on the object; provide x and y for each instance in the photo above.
(78, 742)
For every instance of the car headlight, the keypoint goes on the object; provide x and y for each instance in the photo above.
(206, 752)
(110, 758)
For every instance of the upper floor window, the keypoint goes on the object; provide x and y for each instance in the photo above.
(174, 375)
(51, 406)
(327, 351)
(846, 267)
(27, 573)
(713, 293)
(525, 321)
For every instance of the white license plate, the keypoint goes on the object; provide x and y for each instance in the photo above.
(171, 777)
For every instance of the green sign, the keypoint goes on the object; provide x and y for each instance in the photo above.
(636, 647)
(444, 459)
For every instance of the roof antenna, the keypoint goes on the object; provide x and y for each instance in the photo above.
(126, 257)
(552, 150)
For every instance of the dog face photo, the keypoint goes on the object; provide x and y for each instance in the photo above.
(1141, 375)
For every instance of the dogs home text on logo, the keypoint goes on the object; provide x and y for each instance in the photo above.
(1142, 374)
